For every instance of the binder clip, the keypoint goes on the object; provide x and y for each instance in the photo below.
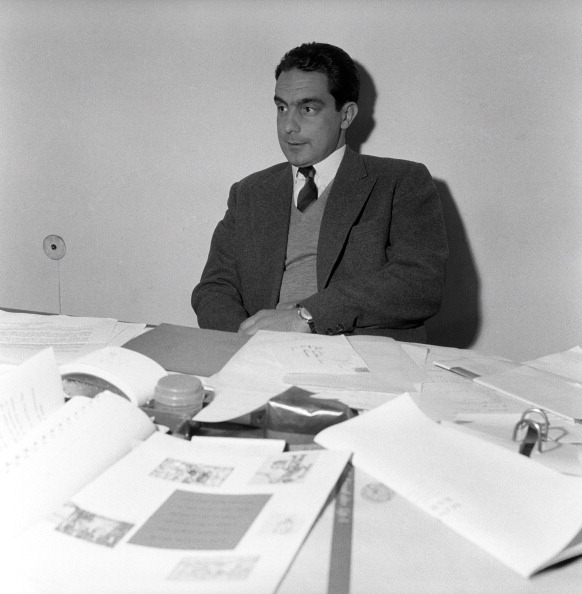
(535, 423)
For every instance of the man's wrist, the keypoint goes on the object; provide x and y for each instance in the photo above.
(306, 317)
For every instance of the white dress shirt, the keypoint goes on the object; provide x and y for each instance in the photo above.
(324, 173)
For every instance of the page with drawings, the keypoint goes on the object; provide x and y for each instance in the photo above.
(179, 516)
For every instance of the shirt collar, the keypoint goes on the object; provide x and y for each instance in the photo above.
(325, 170)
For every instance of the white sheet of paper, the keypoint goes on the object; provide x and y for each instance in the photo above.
(29, 393)
(316, 353)
(538, 388)
(231, 402)
(253, 365)
(125, 331)
(22, 335)
(249, 379)
(450, 474)
(358, 399)
(567, 364)
(392, 369)
(445, 400)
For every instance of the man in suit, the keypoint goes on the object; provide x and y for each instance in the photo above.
(330, 241)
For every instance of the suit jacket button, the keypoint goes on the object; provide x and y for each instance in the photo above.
(329, 331)
(339, 328)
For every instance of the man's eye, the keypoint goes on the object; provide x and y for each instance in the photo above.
(309, 110)
(281, 108)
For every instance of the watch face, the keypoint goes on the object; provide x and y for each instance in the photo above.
(305, 315)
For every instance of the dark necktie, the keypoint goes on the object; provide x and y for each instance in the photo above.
(308, 193)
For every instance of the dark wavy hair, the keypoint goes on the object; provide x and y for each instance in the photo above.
(343, 78)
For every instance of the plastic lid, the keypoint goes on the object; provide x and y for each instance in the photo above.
(179, 390)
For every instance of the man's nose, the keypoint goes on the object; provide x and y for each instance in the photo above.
(291, 124)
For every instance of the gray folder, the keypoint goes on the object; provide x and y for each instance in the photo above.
(188, 350)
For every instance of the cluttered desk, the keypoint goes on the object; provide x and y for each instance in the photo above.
(368, 465)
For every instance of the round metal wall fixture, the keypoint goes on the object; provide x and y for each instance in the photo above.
(54, 247)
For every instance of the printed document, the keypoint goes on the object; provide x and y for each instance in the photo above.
(22, 335)
(179, 516)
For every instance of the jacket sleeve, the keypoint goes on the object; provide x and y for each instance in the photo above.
(392, 270)
(217, 298)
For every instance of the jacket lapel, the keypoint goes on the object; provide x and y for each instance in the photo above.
(349, 193)
(270, 224)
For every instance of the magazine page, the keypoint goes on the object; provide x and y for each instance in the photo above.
(175, 516)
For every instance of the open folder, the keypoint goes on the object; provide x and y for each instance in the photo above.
(526, 515)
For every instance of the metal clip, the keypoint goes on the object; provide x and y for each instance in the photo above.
(536, 430)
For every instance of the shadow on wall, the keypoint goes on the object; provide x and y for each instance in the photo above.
(364, 123)
(458, 322)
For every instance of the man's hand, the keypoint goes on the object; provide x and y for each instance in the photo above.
(283, 320)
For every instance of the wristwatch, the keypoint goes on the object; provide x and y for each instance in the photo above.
(306, 317)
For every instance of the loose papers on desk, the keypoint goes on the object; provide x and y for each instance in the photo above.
(209, 515)
(92, 495)
(337, 366)
(255, 373)
(567, 364)
(538, 388)
(23, 335)
(553, 383)
(524, 514)
(393, 367)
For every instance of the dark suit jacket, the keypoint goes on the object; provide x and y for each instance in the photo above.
(381, 254)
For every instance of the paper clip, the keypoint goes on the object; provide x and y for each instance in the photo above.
(536, 430)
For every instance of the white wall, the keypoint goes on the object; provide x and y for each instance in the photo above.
(123, 125)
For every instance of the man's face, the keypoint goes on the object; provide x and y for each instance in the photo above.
(308, 125)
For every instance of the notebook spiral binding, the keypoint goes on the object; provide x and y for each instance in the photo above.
(28, 448)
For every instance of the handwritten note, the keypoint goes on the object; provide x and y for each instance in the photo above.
(313, 353)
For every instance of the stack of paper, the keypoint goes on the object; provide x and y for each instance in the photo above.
(23, 335)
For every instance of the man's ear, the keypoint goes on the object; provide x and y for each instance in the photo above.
(349, 113)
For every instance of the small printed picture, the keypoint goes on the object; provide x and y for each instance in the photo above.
(281, 524)
(93, 528)
(204, 569)
(190, 474)
(290, 468)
